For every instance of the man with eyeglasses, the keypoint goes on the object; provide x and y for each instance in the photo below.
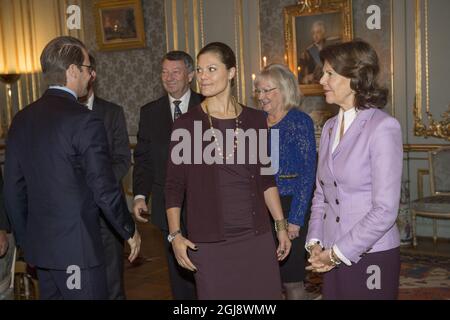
(58, 176)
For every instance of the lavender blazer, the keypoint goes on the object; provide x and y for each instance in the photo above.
(358, 186)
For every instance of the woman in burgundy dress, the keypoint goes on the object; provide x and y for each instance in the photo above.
(229, 244)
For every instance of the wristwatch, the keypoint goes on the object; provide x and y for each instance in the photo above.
(309, 246)
(334, 258)
(172, 235)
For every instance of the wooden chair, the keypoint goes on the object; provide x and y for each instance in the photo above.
(26, 286)
(436, 206)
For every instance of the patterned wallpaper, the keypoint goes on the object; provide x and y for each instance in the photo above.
(272, 42)
(133, 75)
(130, 78)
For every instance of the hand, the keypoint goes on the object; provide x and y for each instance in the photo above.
(140, 207)
(284, 245)
(293, 231)
(135, 245)
(315, 250)
(4, 243)
(180, 245)
(320, 261)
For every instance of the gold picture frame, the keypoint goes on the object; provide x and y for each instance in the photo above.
(301, 53)
(430, 127)
(120, 24)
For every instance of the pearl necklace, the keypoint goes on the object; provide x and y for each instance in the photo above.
(236, 133)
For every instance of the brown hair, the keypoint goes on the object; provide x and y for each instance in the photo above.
(224, 52)
(58, 55)
(358, 61)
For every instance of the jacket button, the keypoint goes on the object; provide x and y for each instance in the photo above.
(253, 213)
(324, 216)
(338, 219)
(252, 176)
(256, 232)
(335, 184)
(337, 201)
(321, 182)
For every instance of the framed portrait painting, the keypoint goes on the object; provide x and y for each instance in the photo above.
(310, 26)
(120, 24)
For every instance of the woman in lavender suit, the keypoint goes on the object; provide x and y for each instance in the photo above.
(352, 235)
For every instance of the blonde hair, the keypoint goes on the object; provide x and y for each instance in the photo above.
(285, 81)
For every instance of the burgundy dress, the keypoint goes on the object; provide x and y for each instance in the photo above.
(244, 266)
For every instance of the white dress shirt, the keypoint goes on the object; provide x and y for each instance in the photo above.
(349, 116)
(183, 107)
(90, 102)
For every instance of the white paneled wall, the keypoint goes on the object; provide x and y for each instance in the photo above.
(191, 24)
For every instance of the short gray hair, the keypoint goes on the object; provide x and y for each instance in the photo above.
(180, 56)
(285, 81)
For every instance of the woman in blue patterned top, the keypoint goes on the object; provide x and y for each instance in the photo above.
(279, 96)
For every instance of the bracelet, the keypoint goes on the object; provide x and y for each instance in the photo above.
(172, 236)
(334, 258)
(281, 225)
(311, 245)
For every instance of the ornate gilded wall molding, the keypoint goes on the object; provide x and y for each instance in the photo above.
(434, 128)
(392, 60)
(422, 147)
(175, 24)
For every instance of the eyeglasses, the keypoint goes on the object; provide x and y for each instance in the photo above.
(91, 68)
(265, 91)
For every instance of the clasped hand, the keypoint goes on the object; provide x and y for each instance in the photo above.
(320, 260)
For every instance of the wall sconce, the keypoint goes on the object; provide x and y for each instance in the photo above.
(25, 28)
(9, 80)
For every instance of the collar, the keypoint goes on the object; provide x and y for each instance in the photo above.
(64, 89)
(90, 102)
(348, 113)
(184, 99)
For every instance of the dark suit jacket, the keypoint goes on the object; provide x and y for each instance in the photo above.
(150, 155)
(58, 174)
(117, 134)
(4, 223)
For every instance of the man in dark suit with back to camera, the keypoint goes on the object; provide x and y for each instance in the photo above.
(150, 157)
(58, 175)
(119, 148)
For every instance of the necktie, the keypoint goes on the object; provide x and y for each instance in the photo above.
(177, 112)
(341, 131)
